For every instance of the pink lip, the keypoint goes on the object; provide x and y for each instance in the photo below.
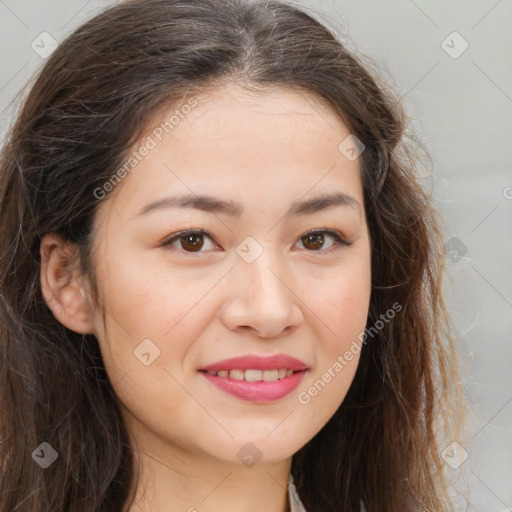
(258, 363)
(257, 392)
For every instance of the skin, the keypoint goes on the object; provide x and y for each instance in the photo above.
(301, 298)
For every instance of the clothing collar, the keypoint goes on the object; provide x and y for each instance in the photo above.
(293, 497)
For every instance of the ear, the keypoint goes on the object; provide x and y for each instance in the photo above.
(63, 285)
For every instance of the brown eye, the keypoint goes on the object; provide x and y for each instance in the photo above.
(192, 243)
(313, 241)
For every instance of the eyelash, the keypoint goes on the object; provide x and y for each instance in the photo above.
(339, 241)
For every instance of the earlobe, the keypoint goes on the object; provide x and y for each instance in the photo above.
(63, 285)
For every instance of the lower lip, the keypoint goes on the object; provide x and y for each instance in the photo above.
(257, 392)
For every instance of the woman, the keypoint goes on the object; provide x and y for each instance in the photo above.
(220, 277)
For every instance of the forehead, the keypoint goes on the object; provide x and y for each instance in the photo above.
(239, 143)
(277, 116)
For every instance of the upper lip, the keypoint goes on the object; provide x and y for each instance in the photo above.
(253, 362)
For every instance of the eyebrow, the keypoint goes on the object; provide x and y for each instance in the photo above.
(235, 209)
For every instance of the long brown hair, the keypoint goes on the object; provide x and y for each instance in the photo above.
(89, 104)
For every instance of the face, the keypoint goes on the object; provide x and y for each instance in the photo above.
(273, 265)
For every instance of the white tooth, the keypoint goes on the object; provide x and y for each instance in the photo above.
(222, 373)
(270, 375)
(281, 373)
(253, 375)
(212, 372)
(236, 374)
(289, 372)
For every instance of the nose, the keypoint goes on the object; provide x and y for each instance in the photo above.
(262, 298)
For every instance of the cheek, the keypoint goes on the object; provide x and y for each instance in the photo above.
(168, 308)
(153, 300)
(342, 304)
(339, 308)
(152, 321)
(339, 298)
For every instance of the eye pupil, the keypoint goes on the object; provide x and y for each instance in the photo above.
(317, 239)
(195, 241)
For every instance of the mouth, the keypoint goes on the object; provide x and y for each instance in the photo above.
(255, 386)
(255, 378)
(253, 375)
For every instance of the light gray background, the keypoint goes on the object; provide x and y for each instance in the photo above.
(462, 109)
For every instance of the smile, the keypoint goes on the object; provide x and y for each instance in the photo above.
(251, 386)
(254, 375)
